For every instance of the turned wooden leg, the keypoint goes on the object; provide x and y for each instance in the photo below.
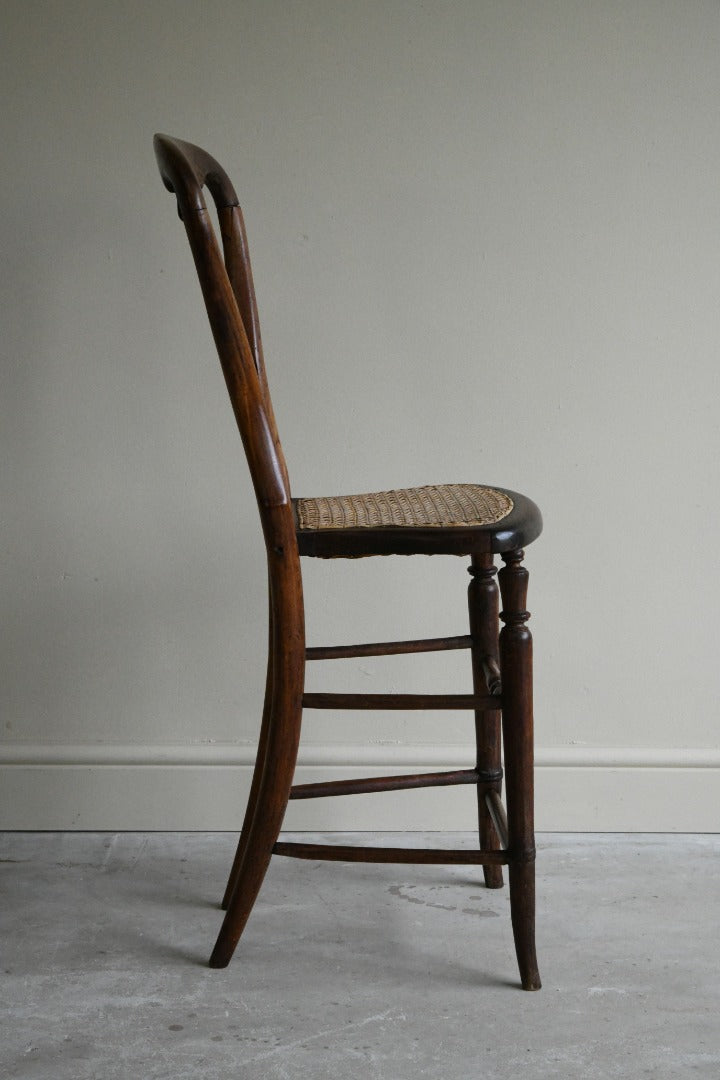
(517, 727)
(257, 776)
(483, 607)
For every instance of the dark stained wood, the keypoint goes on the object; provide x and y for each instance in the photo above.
(185, 169)
(257, 773)
(483, 607)
(399, 701)
(227, 287)
(239, 271)
(517, 728)
(497, 813)
(342, 853)
(283, 736)
(389, 648)
(491, 674)
(384, 783)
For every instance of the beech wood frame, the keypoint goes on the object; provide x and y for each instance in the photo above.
(501, 661)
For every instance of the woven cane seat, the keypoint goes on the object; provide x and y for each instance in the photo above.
(434, 507)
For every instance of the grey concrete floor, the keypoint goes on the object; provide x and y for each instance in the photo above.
(356, 970)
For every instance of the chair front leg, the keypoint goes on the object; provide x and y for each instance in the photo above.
(517, 727)
(483, 608)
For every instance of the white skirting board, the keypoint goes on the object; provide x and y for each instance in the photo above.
(204, 788)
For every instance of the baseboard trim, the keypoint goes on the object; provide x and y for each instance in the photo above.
(204, 787)
(395, 755)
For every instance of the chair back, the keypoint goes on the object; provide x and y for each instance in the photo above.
(227, 288)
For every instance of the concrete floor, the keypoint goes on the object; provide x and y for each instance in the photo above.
(356, 971)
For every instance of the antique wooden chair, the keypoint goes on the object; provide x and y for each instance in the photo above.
(455, 519)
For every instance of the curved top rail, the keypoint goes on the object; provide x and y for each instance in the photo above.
(186, 169)
(226, 283)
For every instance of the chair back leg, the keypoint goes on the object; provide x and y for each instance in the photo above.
(275, 766)
(257, 774)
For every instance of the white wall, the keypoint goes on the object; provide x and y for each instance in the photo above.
(486, 240)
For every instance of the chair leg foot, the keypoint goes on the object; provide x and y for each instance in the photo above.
(247, 887)
(256, 858)
(493, 877)
(218, 960)
(522, 913)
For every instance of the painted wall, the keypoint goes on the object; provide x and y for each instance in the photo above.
(486, 241)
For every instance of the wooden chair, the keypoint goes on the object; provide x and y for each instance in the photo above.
(460, 519)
